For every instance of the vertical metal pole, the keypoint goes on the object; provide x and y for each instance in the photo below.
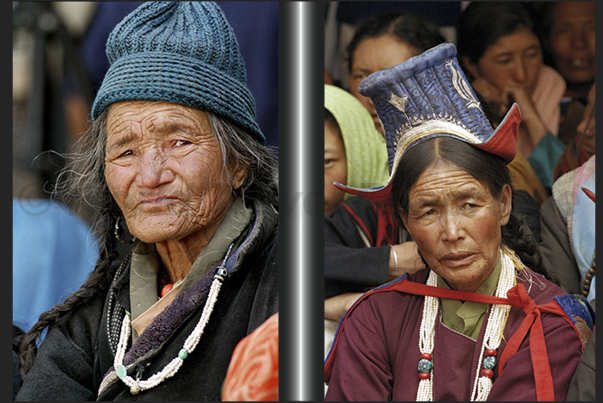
(301, 150)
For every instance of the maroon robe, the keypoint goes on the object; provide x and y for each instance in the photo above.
(379, 351)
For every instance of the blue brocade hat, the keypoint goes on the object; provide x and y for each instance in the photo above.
(179, 52)
(429, 96)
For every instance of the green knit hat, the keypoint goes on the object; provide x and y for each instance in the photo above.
(365, 148)
(179, 52)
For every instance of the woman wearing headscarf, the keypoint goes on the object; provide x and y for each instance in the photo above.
(174, 162)
(360, 147)
(480, 321)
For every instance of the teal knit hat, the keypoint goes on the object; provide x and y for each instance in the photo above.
(365, 147)
(179, 52)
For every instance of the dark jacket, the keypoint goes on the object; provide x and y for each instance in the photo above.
(357, 245)
(78, 353)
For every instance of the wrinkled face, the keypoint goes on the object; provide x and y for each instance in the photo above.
(456, 222)
(514, 59)
(163, 166)
(372, 55)
(572, 40)
(336, 168)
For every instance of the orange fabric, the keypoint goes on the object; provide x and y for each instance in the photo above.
(523, 177)
(253, 371)
(590, 194)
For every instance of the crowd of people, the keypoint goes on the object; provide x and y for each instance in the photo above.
(516, 82)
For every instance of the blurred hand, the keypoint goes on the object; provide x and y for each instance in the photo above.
(337, 306)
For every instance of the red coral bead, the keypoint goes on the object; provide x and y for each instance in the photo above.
(491, 352)
(424, 375)
(487, 373)
(426, 356)
(166, 289)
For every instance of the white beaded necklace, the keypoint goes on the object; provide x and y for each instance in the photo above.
(492, 336)
(137, 385)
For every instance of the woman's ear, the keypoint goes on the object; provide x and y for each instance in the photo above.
(402, 215)
(506, 204)
(239, 174)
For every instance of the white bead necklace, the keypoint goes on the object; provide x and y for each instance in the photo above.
(492, 336)
(137, 385)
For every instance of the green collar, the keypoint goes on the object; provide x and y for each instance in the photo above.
(146, 262)
(467, 317)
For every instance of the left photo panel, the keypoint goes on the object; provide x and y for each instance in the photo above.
(145, 201)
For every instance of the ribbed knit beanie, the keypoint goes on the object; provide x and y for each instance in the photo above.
(179, 52)
(365, 148)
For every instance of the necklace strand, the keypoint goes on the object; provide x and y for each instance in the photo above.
(137, 385)
(491, 341)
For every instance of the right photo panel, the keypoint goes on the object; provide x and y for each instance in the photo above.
(459, 201)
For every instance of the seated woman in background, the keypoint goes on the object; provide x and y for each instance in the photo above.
(502, 55)
(567, 32)
(383, 41)
(567, 29)
(439, 333)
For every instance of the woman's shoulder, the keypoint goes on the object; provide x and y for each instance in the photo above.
(387, 298)
(538, 287)
(573, 313)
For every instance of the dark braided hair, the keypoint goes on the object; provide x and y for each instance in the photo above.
(82, 182)
(98, 281)
(488, 169)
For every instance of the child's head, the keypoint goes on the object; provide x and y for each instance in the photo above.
(355, 152)
(336, 168)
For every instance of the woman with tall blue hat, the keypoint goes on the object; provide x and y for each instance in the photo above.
(482, 320)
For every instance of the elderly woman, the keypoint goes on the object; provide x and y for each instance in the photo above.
(476, 323)
(175, 154)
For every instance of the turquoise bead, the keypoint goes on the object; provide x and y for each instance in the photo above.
(121, 371)
(425, 365)
(183, 354)
(490, 362)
